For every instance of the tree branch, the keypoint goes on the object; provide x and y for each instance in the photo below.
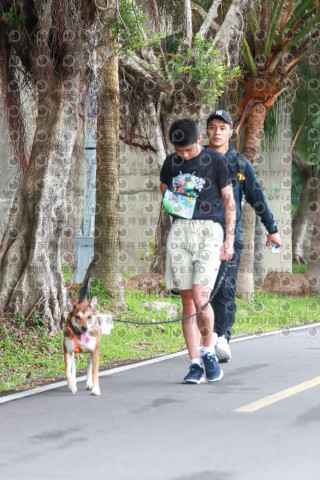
(210, 16)
(214, 26)
(159, 144)
(188, 37)
(300, 163)
(136, 65)
(104, 8)
(140, 68)
(228, 38)
(156, 19)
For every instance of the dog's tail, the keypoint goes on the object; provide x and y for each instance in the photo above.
(86, 281)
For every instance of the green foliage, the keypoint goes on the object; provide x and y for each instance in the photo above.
(129, 28)
(207, 73)
(19, 20)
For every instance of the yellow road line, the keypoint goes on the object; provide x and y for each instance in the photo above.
(276, 397)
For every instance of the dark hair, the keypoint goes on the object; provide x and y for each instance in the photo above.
(183, 132)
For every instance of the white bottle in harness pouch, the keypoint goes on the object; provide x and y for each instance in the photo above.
(106, 323)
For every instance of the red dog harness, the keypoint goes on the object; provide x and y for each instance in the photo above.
(75, 341)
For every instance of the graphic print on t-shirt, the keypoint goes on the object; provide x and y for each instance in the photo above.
(188, 184)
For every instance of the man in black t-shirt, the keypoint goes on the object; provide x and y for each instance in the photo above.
(196, 185)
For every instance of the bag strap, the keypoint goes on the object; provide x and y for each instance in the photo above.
(241, 167)
(75, 341)
(241, 162)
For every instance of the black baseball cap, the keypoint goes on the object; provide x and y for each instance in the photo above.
(221, 115)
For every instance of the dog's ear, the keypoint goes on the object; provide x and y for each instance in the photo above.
(93, 304)
(71, 304)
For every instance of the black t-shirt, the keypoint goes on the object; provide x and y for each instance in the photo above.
(202, 177)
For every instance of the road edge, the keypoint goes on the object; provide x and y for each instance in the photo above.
(286, 331)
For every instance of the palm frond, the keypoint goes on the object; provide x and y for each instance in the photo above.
(300, 14)
(274, 22)
(248, 58)
(303, 33)
(252, 24)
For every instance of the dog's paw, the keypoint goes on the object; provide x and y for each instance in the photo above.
(73, 388)
(95, 390)
(89, 386)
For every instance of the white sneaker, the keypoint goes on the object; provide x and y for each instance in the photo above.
(222, 350)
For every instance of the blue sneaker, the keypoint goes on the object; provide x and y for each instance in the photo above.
(212, 368)
(195, 375)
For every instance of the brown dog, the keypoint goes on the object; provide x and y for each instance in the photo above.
(82, 334)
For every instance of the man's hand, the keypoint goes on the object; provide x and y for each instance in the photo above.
(227, 250)
(163, 188)
(274, 238)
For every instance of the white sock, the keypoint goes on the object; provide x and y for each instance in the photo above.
(198, 361)
(206, 350)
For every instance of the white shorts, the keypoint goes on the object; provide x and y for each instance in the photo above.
(193, 253)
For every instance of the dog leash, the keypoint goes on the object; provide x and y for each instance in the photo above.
(213, 294)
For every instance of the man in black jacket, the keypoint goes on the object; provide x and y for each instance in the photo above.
(219, 131)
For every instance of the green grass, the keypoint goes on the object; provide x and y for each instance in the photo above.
(299, 268)
(30, 355)
(270, 312)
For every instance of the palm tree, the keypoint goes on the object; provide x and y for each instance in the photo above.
(107, 212)
(279, 35)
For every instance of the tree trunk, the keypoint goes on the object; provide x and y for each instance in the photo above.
(164, 220)
(31, 279)
(313, 269)
(252, 140)
(163, 229)
(245, 284)
(107, 217)
(302, 224)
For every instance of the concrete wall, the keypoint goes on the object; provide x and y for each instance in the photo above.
(139, 206)
(274, 174)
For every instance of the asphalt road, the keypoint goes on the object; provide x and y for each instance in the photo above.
(148, 425)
